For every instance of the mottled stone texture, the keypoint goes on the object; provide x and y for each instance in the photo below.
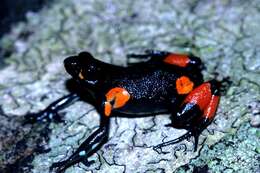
(225, 34)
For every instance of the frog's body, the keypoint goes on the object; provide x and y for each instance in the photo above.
(164, 83)
(154, 92)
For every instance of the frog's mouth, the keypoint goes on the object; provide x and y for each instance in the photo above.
(72, 66)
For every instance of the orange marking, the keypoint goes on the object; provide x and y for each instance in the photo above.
(108, 109)
(81, 75)
(211, 109)
(119, 97)
(184, 85)
(180, 60)
(200, 96)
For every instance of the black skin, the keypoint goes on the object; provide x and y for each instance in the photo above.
(151, 84)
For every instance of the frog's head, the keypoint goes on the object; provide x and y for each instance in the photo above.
(84, 67)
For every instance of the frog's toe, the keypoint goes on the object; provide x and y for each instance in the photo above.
(88, 163)
(30, 119)
(58, 167)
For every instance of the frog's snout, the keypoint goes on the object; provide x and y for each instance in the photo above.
(72, 66)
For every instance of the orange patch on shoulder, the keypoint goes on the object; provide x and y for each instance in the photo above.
(184, 85)
(119, 97)
(180, 60)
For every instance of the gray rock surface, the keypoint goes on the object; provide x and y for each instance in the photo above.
(225, 34)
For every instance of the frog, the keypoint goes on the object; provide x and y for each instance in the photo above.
(161, 82)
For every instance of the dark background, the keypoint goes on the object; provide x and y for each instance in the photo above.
(12, 11)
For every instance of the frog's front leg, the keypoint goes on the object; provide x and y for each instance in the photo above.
(51, 112)
(114, 98)
(93, 143)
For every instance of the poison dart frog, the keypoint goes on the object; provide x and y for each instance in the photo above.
(163, 82)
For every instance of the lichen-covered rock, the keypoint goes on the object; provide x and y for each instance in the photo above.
(225, 34)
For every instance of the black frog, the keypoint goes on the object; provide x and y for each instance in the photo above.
(163, 82)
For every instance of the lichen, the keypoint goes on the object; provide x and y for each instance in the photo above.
(223, 33)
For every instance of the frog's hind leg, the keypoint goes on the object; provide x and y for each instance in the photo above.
(149, 55)
(196, 112)
(181, 60)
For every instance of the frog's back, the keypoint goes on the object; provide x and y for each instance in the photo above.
(148, 82)
(148, 85)
(149, 90)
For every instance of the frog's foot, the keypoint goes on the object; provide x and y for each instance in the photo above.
(86, 149)
(88, 163)
(195, 134)
(46, 115)
(60, 167)
(192, 133)
(225, 85)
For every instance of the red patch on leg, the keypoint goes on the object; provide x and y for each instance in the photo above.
(200, 96)
(211, 109)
